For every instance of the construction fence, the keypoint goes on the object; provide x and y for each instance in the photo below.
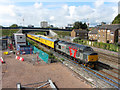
(44, 56)
(33, 50)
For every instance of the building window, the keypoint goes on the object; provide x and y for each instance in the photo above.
(103, 35)
(99, 35)
(96, 35)
(99, 30)
(108, 30)
(111, 40)
(103, 30)
(112, 33)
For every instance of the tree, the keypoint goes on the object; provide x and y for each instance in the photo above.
(1, 26)
(79, 25)
(84, 26)
(116, 20)
(14, 25)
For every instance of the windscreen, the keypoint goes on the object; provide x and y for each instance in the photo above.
(88, 49)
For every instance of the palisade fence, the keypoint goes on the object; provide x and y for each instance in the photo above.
(106, 46)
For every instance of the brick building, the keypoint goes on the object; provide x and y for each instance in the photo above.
(83, 34)
(108, 33)
(93, 34)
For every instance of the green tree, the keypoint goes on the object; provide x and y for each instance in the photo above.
(116, 20)
(14, 25)
(79, 25)
(84, 26)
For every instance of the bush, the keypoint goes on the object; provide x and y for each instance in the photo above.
(107, 46)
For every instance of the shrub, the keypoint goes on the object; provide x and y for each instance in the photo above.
(107, 46)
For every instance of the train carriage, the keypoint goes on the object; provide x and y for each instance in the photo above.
(46, 41)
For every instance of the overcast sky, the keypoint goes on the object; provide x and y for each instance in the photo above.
(57, 12)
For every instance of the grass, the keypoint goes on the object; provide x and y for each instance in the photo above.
(37, 33)
(8, 32)
(63, 33)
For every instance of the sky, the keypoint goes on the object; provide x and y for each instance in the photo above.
(58, 13)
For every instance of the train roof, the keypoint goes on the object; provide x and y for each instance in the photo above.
(81, 47)
(53, 40)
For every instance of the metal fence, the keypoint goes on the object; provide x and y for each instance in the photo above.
(44, 56)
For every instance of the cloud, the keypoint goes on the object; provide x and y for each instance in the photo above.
(65, 14)
(52, 18)
(99, 3)
(37, 5)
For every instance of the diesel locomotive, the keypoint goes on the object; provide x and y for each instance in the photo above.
(80, 53)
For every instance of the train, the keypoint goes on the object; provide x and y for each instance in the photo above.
(79, 53)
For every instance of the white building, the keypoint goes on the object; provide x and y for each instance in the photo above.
(20, 39)
(44, 24)
(119, 7)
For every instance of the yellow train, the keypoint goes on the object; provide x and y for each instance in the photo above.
(42, 39)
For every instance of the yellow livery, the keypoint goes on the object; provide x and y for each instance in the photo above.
(42, 39)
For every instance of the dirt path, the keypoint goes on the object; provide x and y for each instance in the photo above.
(15, 71)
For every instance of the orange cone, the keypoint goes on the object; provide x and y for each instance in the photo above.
(21, 58)
(2, 61)
(17, 57)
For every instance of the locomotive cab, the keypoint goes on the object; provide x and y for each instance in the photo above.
(90, 57)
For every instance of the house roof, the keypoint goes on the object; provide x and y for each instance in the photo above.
(80, 31)
(112, 27)
(94, 31)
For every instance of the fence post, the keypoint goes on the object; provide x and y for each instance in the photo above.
(18, 86)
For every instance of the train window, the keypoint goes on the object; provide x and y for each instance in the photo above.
(88, 49)
(59, 46)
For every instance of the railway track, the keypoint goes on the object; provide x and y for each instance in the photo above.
(109, 57)
(108, 67)
(101, 74)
